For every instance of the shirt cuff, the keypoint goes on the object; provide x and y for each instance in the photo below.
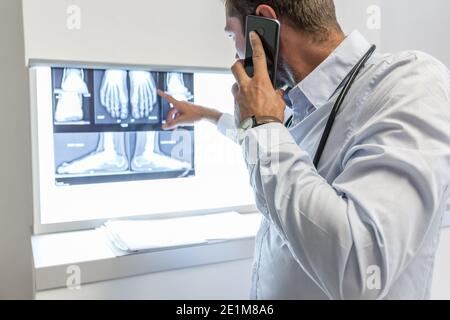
(226, 126)
(261, 142)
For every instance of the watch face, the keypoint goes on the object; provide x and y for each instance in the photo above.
(243, 127)
(247, 123)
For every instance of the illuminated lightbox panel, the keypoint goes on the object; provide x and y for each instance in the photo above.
(102, 152)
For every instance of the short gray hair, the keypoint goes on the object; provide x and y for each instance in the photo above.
(314, 17)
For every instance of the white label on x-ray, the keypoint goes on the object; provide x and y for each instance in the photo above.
(76, 145)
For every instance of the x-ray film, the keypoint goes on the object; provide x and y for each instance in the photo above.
(108, 126)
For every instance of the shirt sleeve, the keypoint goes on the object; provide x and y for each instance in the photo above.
(374, 216)
(226, 122)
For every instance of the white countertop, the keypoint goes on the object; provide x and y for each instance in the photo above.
(98, 260)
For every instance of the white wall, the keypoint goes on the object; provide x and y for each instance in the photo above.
(355, 14)
(404, 24)
(174, 34)
(417, 24)
(15, 160)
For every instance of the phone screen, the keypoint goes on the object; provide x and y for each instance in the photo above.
(269, 32)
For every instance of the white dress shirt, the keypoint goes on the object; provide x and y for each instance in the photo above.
(366, 223)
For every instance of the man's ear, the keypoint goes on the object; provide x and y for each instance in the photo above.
(266, 11)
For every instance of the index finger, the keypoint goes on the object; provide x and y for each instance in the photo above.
(169, 98)
(239, 73)
(259, 55)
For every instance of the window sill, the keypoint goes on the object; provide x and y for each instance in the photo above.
(97, 261)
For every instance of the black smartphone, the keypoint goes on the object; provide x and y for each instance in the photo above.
(269, 32)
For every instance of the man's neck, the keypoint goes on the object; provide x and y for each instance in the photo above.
(305, 54)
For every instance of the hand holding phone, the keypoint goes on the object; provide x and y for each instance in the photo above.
(255, 97)
(269, 32)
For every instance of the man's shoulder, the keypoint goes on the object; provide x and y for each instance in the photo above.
(404, 83)
(406, 73)
(411, 63)
(410, 56)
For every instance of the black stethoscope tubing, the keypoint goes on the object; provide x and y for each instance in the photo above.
(337, 106)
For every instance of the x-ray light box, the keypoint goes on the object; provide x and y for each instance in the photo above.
(100, 150)
(98, 145)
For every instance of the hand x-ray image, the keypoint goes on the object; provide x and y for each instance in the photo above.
(107, 126)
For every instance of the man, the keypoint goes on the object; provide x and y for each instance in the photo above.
(365, 223)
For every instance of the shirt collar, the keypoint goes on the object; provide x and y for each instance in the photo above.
(320, 85)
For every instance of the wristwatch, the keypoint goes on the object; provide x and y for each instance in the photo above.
(253, 122)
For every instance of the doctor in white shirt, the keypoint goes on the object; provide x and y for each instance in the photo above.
(364, 222)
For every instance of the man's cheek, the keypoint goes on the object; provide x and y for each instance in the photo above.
(240, 54)
(240, 48)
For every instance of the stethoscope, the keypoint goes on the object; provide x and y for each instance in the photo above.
(337, 106)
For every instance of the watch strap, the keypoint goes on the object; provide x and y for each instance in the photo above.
(262, 120)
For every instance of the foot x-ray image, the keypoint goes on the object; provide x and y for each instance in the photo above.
(114, 93)
(69, 96)
(126, 97)
(115, 96)
(131, 96)
(176, 87)
(109, 156)
(143, 96)
(119, 156)
(176, 84)
(108, 126)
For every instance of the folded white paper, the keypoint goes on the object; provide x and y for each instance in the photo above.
(141, 235)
